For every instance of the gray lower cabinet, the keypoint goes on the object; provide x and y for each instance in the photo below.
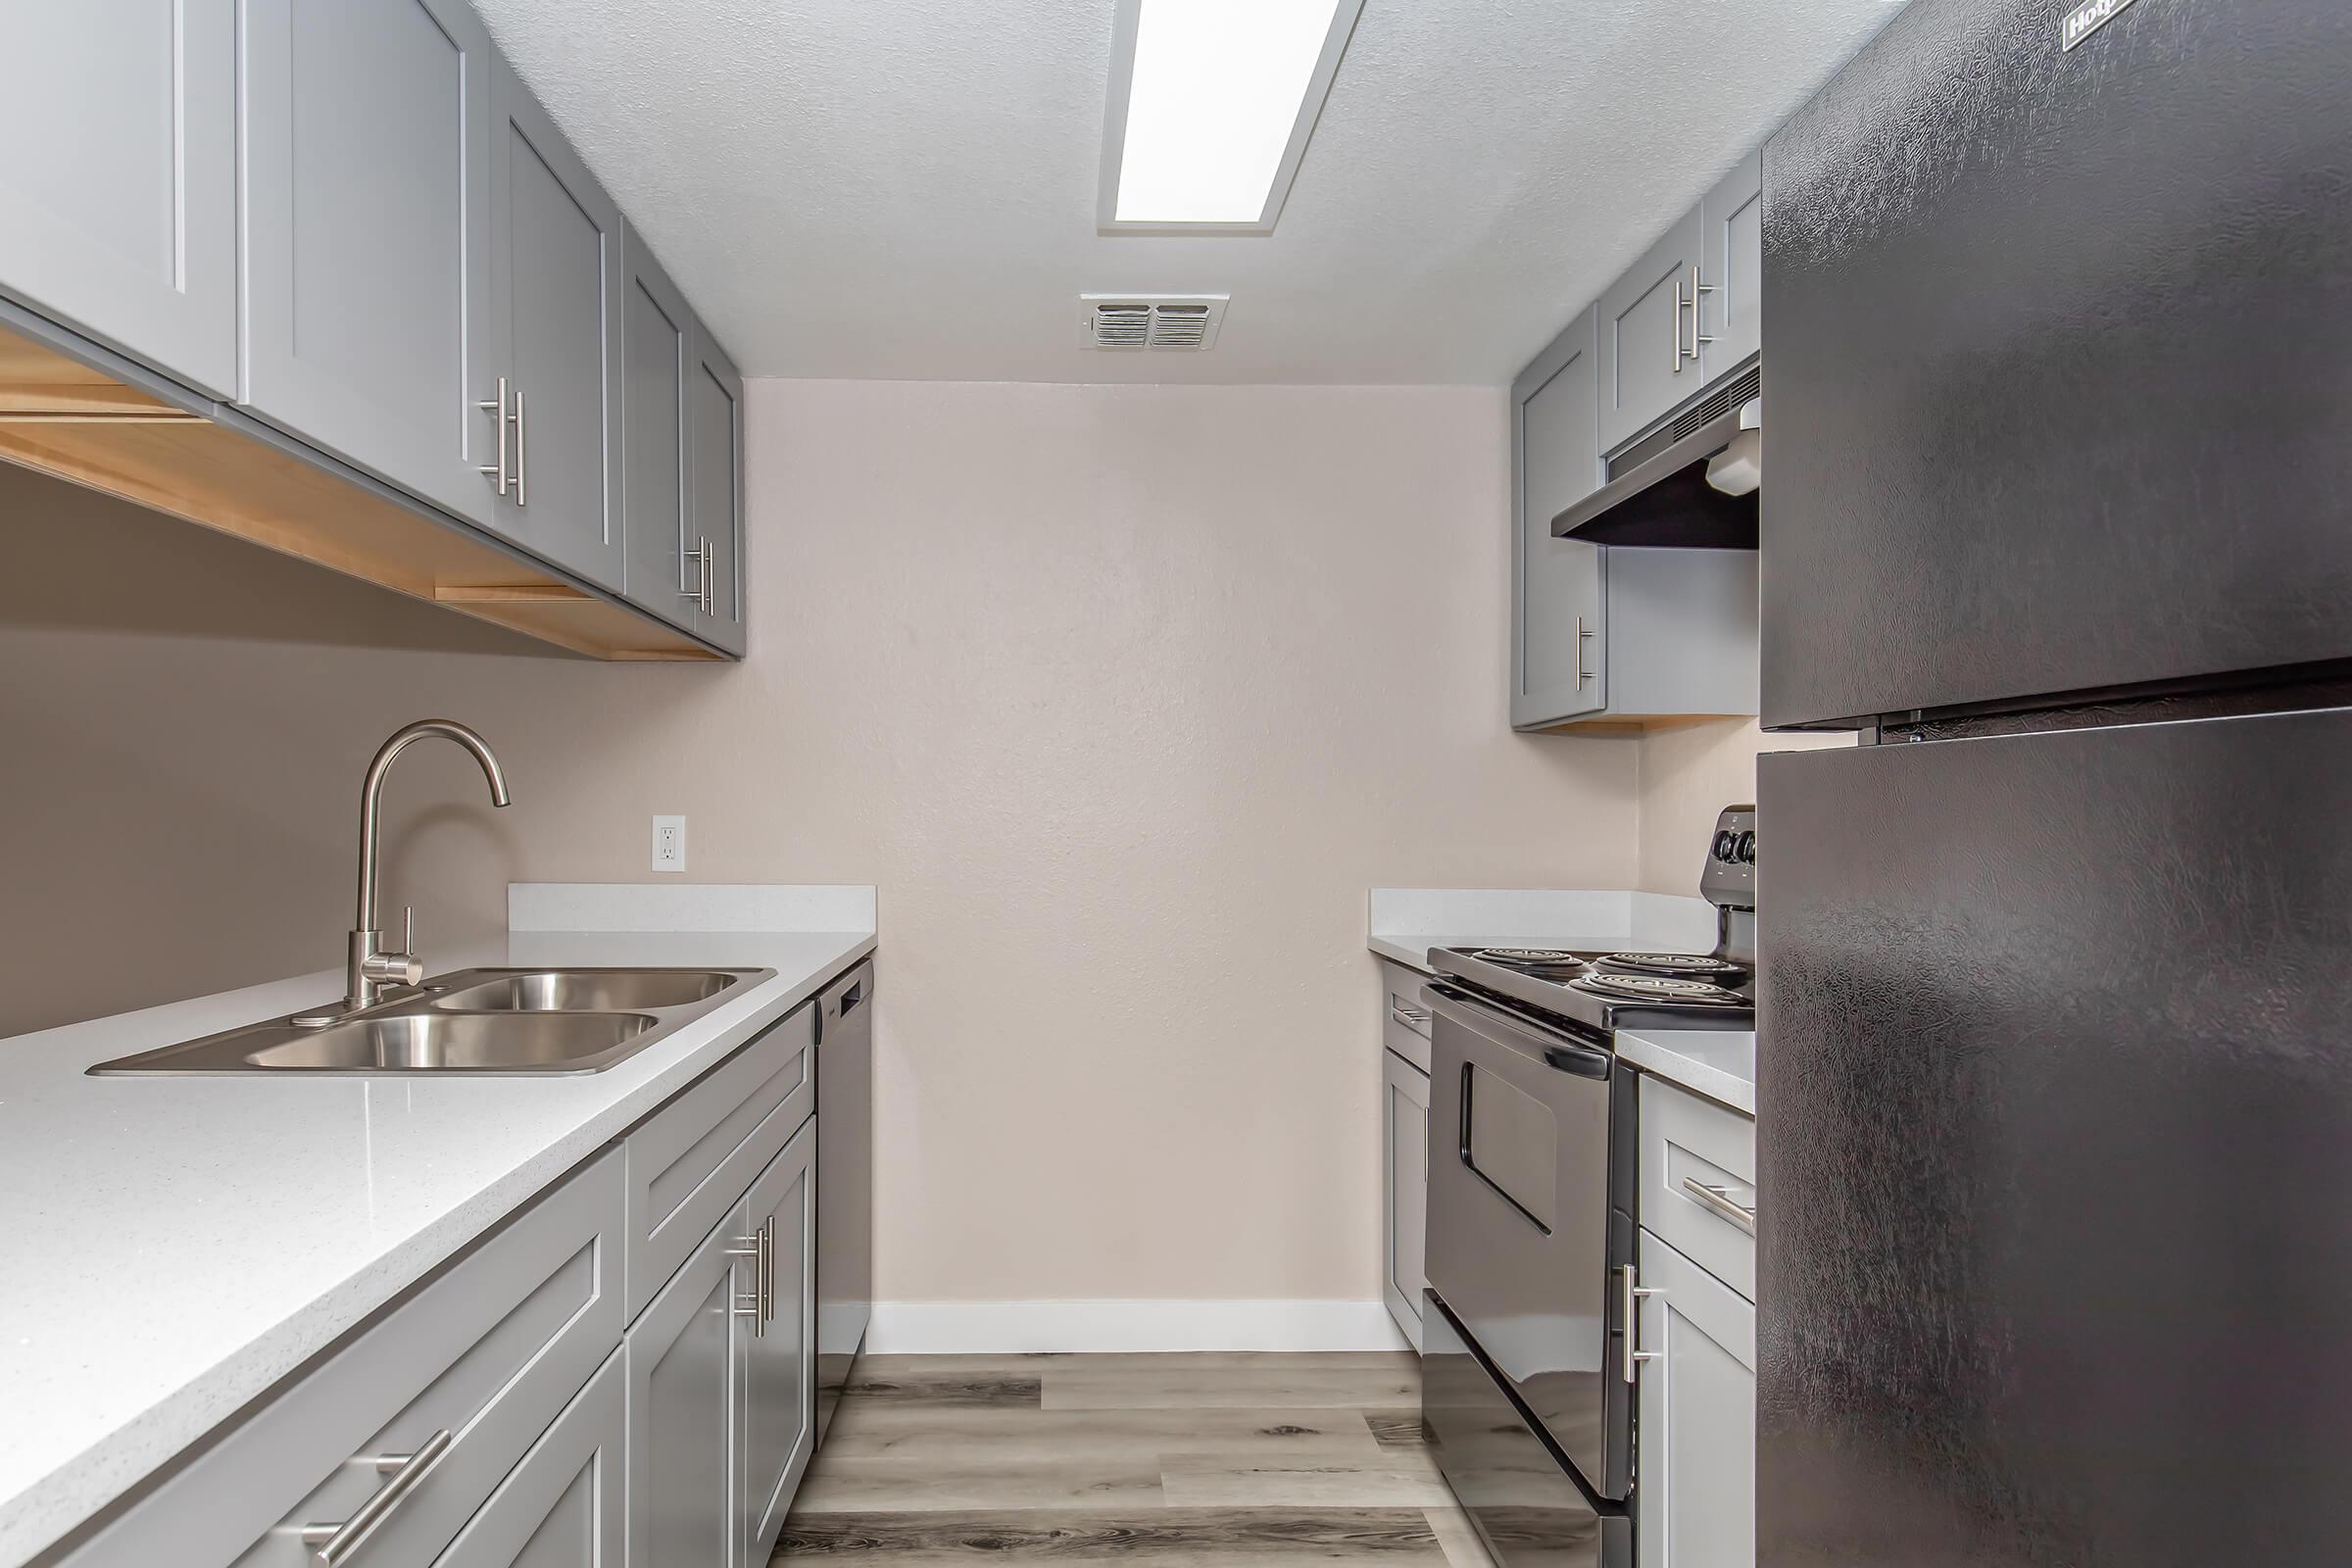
(656, 356)
(780, 1358)
(1694, 1494)
(121, 183)
(691, 1161)
(565, 1504)
(369, 326)
(685, 1395)
(554, 323)
(715, 492)
(1558, 611)
(723, 1371)
(468, 1372)
(1404, 1190)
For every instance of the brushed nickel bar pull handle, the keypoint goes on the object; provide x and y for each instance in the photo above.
(522, 456)
(755, 1305)
(1696, 289)
(1634, 1293)
(701, 555)
(767, 1267)
(710, 588)
(1410, 1017)
(500, 409)
(1584, 676)
(332, 1546)
(1718, 1200)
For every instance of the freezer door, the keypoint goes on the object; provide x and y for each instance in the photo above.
(2058, 357)
(2055, 1074)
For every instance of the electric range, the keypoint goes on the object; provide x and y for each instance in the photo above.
(1602, 992)
(1528, 1386)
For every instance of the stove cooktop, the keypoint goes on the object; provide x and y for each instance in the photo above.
(1606, 992)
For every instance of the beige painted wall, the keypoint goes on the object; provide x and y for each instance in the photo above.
(1122, 696)
(1689, 775)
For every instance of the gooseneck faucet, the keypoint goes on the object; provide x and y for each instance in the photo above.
(371, 967)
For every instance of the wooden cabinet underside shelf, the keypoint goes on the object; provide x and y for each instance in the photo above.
(130, 435)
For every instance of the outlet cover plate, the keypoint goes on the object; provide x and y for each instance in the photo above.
(669, 844)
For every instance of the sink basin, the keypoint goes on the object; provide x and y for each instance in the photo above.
(588, 990)
(459, 1042)
(473, 1023)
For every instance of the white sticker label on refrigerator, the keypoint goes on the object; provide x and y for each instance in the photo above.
(2087, 19)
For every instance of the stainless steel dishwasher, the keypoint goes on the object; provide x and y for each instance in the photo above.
(844, 1181)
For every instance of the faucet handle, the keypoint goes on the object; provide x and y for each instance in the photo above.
(407, 930)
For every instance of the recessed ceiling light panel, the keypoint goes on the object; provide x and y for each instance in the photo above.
(1211, 104)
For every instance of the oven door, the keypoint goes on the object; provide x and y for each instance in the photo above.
(1530, 1183)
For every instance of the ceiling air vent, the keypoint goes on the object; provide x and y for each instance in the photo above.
(1187, 321)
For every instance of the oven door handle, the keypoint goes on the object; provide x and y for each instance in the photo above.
(1518, 1032)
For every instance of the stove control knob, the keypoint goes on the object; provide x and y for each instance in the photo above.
(1746, 849)
(1725, 847)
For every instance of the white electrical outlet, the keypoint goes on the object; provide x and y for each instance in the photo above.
(669, 844)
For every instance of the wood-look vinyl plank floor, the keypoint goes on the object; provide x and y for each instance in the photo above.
(1184, 1382)
(909, 1429)
(1165, 1537)
(1170, 1461)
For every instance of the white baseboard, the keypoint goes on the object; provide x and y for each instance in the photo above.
(1005, 1328)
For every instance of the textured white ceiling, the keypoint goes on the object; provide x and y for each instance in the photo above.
(905, 189)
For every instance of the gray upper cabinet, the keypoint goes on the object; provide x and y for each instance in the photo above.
(657, 355)
(121, 186)
(1730, 266)
(715, 493)
(1647, 355)
(1557, 605)
(368, 328)
(555, 286)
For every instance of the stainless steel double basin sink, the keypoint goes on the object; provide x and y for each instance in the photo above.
(474, 1022)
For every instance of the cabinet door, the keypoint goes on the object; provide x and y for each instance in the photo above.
(1729, 310)
(1646, 356)
(715, 489)
(564, 1503)
(556, 300)
(657, 355)
(1404, 1194)
(779, 1381)
(1558, 633)
(684, 1396)
(366, 252)
(120, 187)
(1694, 1494)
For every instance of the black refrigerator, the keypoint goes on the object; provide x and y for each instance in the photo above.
(2055, 1004)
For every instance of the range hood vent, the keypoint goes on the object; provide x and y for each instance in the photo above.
(1658, 494)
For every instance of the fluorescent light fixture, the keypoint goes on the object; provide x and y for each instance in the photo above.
(1211, 104)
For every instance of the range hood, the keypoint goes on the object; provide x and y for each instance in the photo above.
(1691, 486)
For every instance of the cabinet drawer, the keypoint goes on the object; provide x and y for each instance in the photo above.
(1403, 1015)
(488, 1352)
(689, 1164)
(566, 1503)
(1699, 1169)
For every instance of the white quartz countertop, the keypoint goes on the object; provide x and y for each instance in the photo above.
(169, 1246)
(1719, 1064)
